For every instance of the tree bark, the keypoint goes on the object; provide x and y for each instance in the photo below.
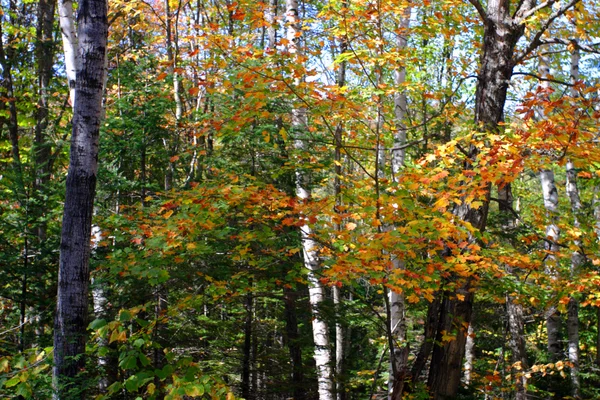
(550, 195)
(247, 360)
(576, 258)
(517, 345)
(399, 346)
(316, 291)
(70, 44)
(295, 349)
(503, 27)
(573, 306)
(73, 278)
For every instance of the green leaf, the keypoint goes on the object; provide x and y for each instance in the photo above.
(124, 316)
(132, 384)
(129, 362)
(145, 361)
(12, 382)
(97, 324)
(115, 387)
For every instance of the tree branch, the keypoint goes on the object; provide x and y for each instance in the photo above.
(539, 78)
(479, 9)
(536, 41)
(528, 13)
(583, 47)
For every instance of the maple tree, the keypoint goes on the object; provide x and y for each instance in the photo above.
(350, 199)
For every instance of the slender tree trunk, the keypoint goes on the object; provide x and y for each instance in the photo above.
(45, 59)
(576, 258)
(399, 345)
(573, 306)
(270, 18)
(337, 187)
(550, 195)
(430, 329)
(247, 361)
(517, 346)
(295, 349)
(73, 278)
(70, 45)
(312, 263)
(469, 354)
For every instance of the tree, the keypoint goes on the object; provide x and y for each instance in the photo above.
(73, 279)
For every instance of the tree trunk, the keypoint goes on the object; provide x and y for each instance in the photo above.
(70, 45)
(270, 16)
(316, 291)
(501, 33)
(573, 307)
(295, 349)
(447, 358)
(430, 329)
(247, 360)
(73, 278)
(550, 195)
(517, 345)
(399, 346)
(576, 258)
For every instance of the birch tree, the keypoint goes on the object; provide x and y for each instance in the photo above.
(73, 280)
(316, 290)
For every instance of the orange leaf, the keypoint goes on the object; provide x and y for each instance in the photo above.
(161, 76)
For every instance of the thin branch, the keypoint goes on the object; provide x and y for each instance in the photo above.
(539, 78)
(479, 8)
(536, 41)
(530, 12)
(583, 47)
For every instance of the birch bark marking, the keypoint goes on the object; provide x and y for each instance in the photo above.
(70, 45)
(316, 290)
(550, 195)
(73, 276)
(399, 350)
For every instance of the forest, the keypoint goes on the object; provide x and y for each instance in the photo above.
(300, 199)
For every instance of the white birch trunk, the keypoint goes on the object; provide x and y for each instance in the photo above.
(316, 290)
(399, 359)
(469, 354)
(270, 15)
(550, 195)
(70, 44)
(339, 344)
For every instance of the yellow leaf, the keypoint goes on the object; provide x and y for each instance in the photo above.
(283, 134)
(168, 214)
(117, 336)
(151, 388)
(191, 246)
(230, 396)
